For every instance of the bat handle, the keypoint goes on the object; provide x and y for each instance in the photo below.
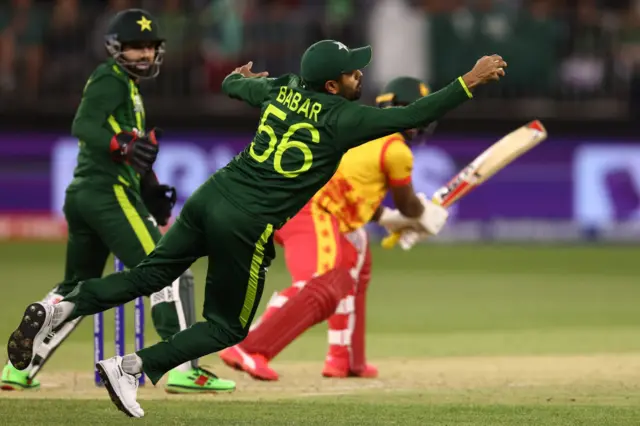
(391, 240)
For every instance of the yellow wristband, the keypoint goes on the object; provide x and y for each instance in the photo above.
(466, 89)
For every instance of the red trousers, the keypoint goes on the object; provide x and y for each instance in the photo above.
(313, 245)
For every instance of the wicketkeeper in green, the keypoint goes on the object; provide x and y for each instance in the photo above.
(308, 122)
(114, 203)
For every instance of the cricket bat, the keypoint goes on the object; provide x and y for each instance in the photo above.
(491, 161)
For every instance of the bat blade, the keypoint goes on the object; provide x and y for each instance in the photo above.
(487, 164)
(509, 148)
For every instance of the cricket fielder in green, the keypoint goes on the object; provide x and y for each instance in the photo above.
(115, 203)
(308, 122)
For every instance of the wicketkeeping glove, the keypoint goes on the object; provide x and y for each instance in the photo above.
(159, 199)
(139, 152)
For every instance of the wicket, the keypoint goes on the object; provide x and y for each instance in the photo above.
(119, 332)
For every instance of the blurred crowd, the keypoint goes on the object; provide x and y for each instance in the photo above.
(569, 49)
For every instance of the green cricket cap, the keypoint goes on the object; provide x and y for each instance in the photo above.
(402, 91)
(328, 59)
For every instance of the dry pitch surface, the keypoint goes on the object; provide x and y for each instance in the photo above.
(603, 378)
(537, 390)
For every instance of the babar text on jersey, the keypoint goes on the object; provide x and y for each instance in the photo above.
(293, 100)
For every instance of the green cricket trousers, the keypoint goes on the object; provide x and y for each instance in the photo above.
(106, 218)
(239, 248)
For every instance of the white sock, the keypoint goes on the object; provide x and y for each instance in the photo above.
(132, 364)
(184, 367)
(61, 312)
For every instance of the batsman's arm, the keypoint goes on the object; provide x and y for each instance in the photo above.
(357, 124)
(397, 165)
(100, 98)
(406, 200)
(252, 90)
(412, 212)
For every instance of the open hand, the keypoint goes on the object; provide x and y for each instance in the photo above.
(245, 70)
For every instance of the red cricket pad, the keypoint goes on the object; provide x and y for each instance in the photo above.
(288, 293)
(313, 304)
(358, 361)
(358, 347)
(340, 322)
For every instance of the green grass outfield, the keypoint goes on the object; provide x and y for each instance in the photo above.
(463, 335)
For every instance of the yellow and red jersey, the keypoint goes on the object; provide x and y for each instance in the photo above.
(361, 182)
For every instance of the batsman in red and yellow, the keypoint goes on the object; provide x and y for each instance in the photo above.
(328, 234)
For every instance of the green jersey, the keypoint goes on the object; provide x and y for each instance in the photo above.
(111, 103)
(302, 136)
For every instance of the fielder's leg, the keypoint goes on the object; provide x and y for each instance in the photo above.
(14, 379)
(86, 256)
(346, 355)
(131, 233)
(179, 248)
(240, 248)
(188, 377)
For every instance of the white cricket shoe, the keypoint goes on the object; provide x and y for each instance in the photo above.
(122, 387)
(26, 340)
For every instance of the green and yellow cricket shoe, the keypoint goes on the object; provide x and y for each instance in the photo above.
(197, 380)
(14, 379)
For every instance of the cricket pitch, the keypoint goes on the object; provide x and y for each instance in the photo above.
(607, 378)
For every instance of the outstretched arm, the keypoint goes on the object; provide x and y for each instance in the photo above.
(357, 124)
(244, 85)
